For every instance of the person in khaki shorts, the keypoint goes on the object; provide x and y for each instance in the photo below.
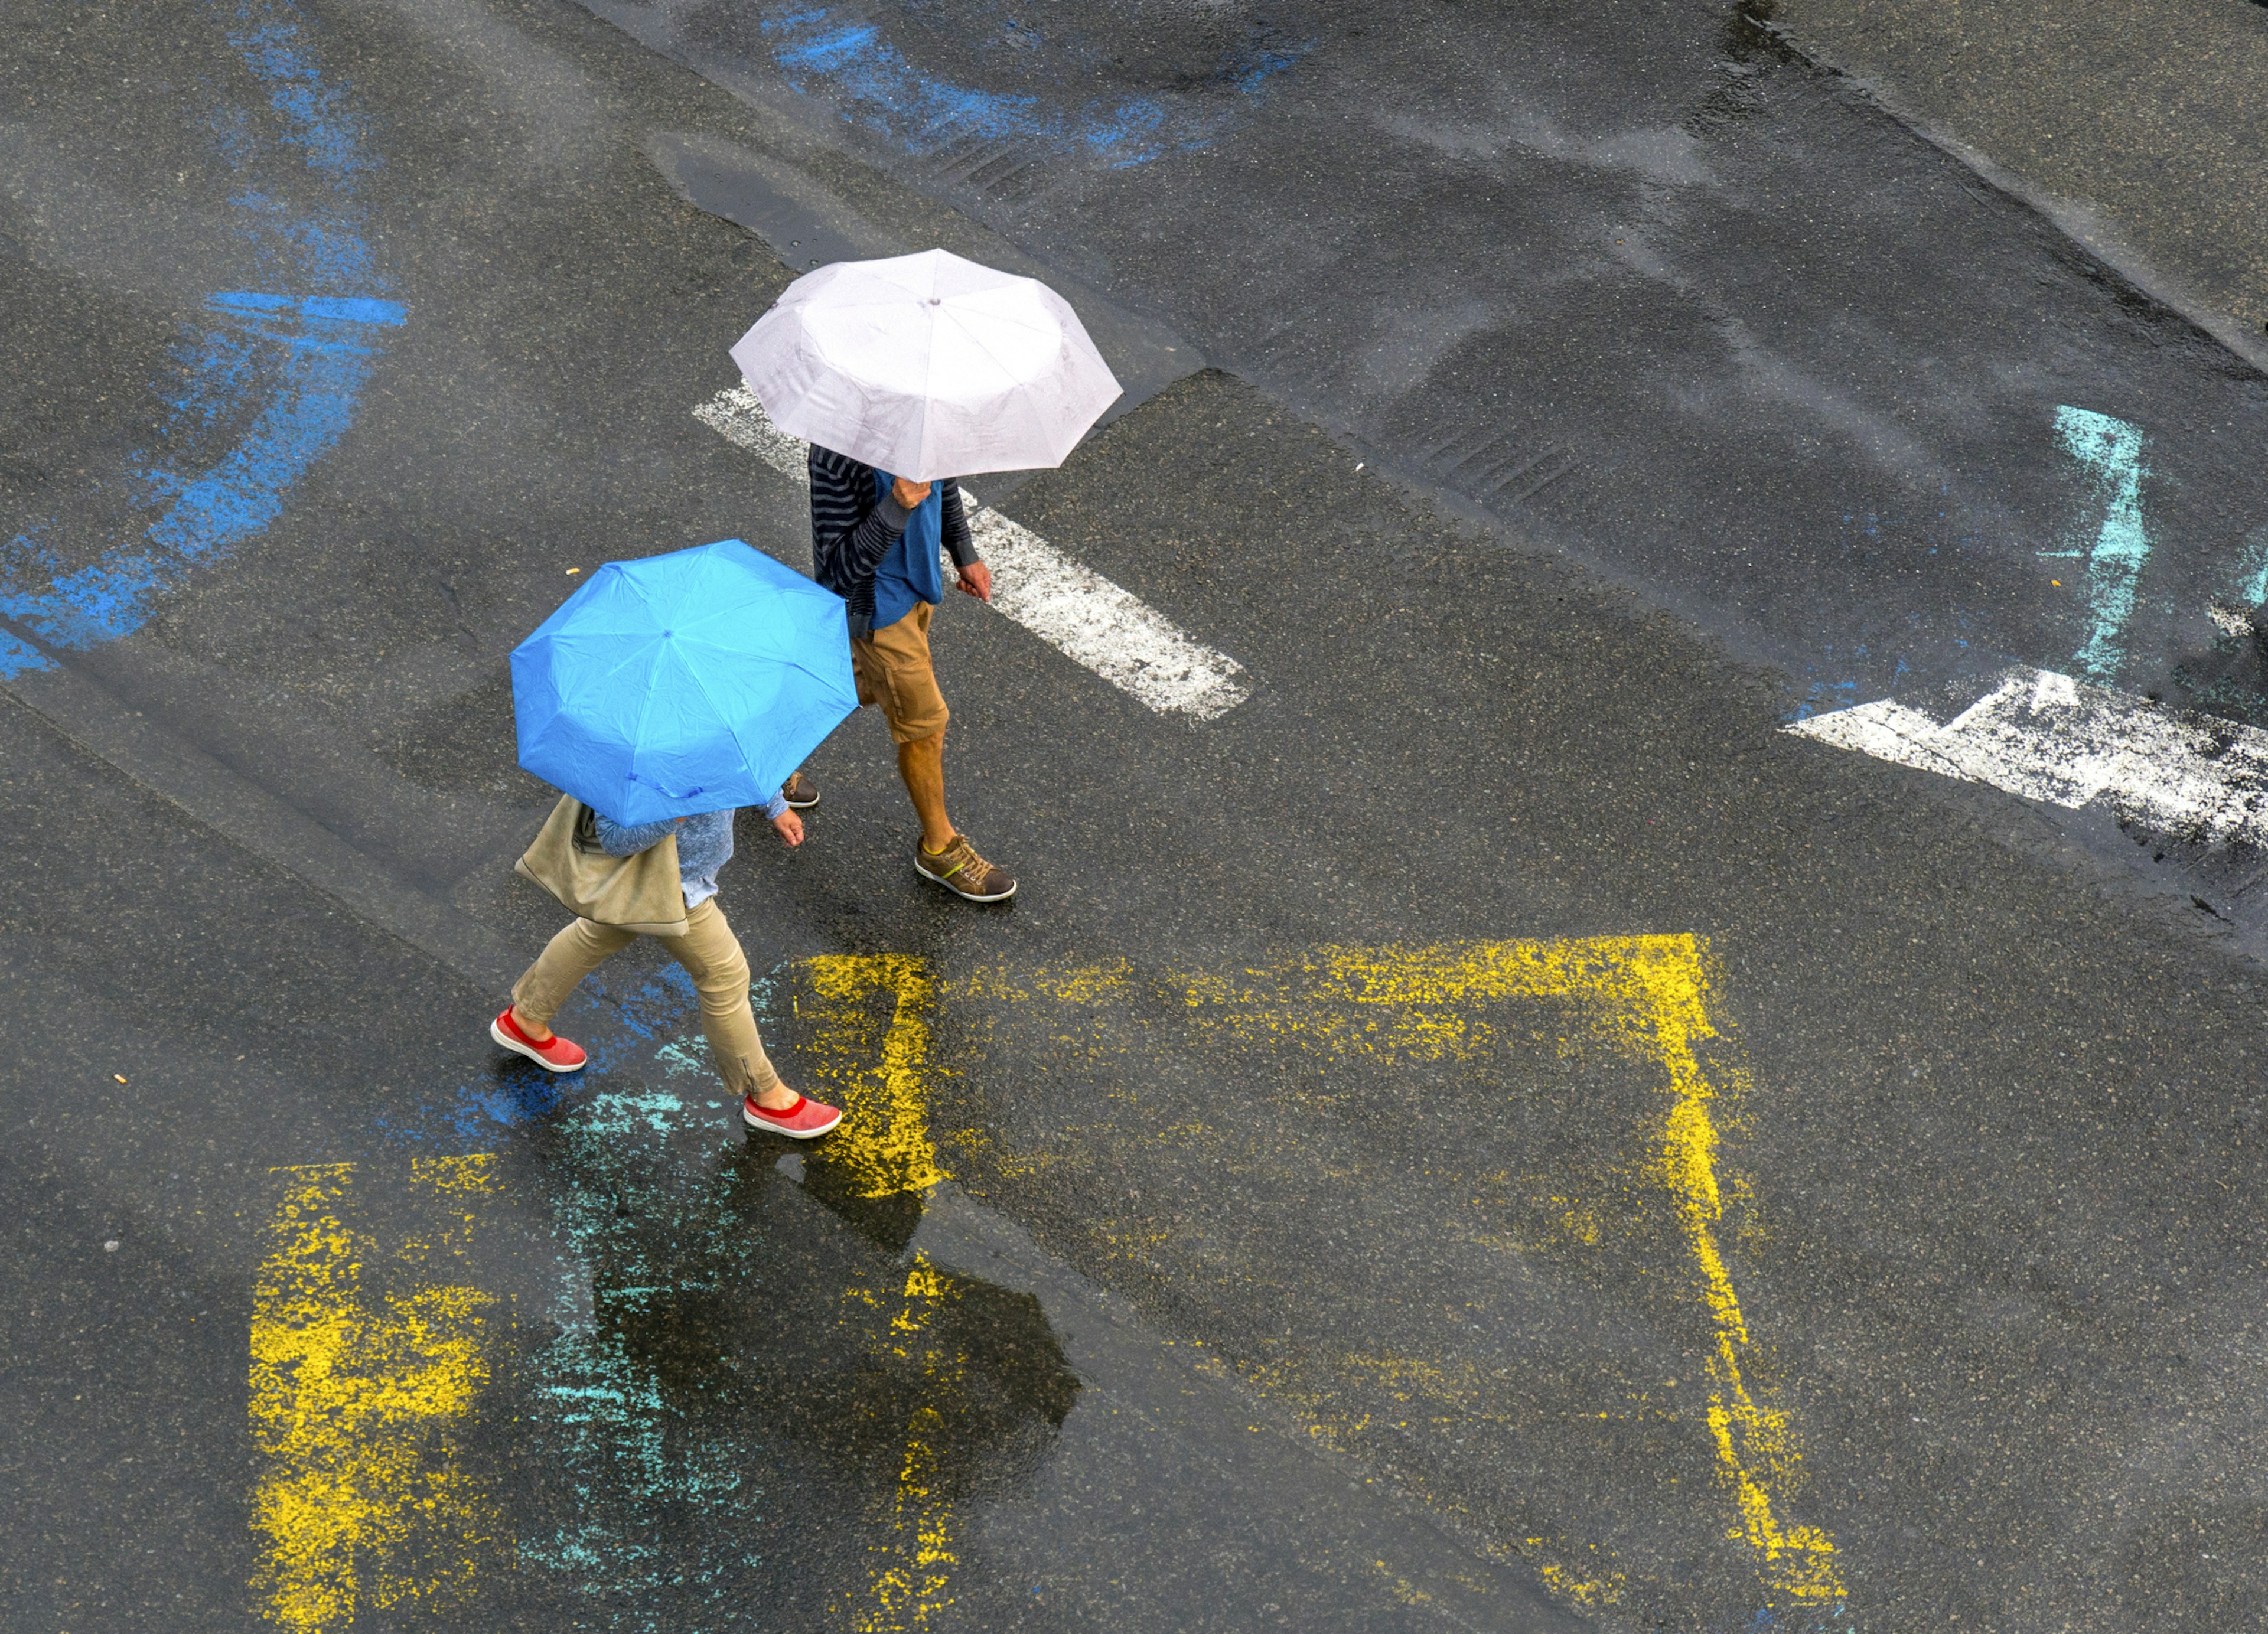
(874, 542)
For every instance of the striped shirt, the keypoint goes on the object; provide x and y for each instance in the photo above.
(852, 530)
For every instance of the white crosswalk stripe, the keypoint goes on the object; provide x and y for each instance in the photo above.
(1082, 615)
(2048, 737)
(736, 415)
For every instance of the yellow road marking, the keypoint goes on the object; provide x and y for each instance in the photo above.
(912, 1583)
(873, 1067)
(1605, 1590)
(1645, 995)
(868, 1049)
(356, 1390)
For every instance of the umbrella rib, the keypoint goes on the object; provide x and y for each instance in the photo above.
(644, 599)
(1015, 319)
(652, 611)
(977, 341)
(1016, 396)
(645, 709)
(732, 727)
(929, 385)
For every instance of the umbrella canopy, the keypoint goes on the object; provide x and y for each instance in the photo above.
(927, 366)
(682, 683)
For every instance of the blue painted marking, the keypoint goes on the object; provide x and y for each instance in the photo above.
(326, 308)
(310, 353)
(317, 117)
(1824, 697)
(16, 658)
(2111, 452)
(1265, 68)
(315, 376)
(614, 1025)
(835, 53)
(875, 85)
(1836, 682)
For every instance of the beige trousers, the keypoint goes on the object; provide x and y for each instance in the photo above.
(711, 956)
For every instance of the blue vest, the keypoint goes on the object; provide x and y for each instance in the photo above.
(909, 571)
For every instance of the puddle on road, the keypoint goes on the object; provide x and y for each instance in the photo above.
(1457, 1211)
(768, 1397)
(742, 1390)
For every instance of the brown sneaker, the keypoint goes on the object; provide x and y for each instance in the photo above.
(800, 793)
(959, 870)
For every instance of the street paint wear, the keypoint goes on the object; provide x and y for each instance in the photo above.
(363, 1393)
(1102, 625)
(893, 668)
(864, 78)
(2111, 452)
(871, 1023)
(711, 956)
(310, 347)
(1653, 997)
(2049, 737)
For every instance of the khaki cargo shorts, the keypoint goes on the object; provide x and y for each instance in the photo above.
(892, 669)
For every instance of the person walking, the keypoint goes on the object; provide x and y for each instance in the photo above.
(875, 542)
(920, 364)
(709, 953)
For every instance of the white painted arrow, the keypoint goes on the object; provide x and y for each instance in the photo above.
(2048, 737)
(1082, 615)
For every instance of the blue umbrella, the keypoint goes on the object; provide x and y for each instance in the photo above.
(682, 683)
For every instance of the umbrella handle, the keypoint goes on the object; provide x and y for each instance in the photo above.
(665, 790)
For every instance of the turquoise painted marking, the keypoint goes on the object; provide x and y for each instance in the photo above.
(2252, 568)
(644, 1230)
(2111, 452)
(665, 1479)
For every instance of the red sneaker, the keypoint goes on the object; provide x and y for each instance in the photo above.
(555, 1054)
(807, 1120)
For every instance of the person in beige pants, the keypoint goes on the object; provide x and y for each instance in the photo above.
(710, 954)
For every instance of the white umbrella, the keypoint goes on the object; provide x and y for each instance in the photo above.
(927, 366)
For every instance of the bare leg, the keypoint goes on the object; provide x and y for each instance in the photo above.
(535, 1030)
(921, 764)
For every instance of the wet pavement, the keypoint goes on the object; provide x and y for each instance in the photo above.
(2090, 113)
(1484, 1131)
(1699, 314)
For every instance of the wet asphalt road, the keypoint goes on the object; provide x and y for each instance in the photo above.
(1679, 305)
(2171, 91)
(1488, 1133)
